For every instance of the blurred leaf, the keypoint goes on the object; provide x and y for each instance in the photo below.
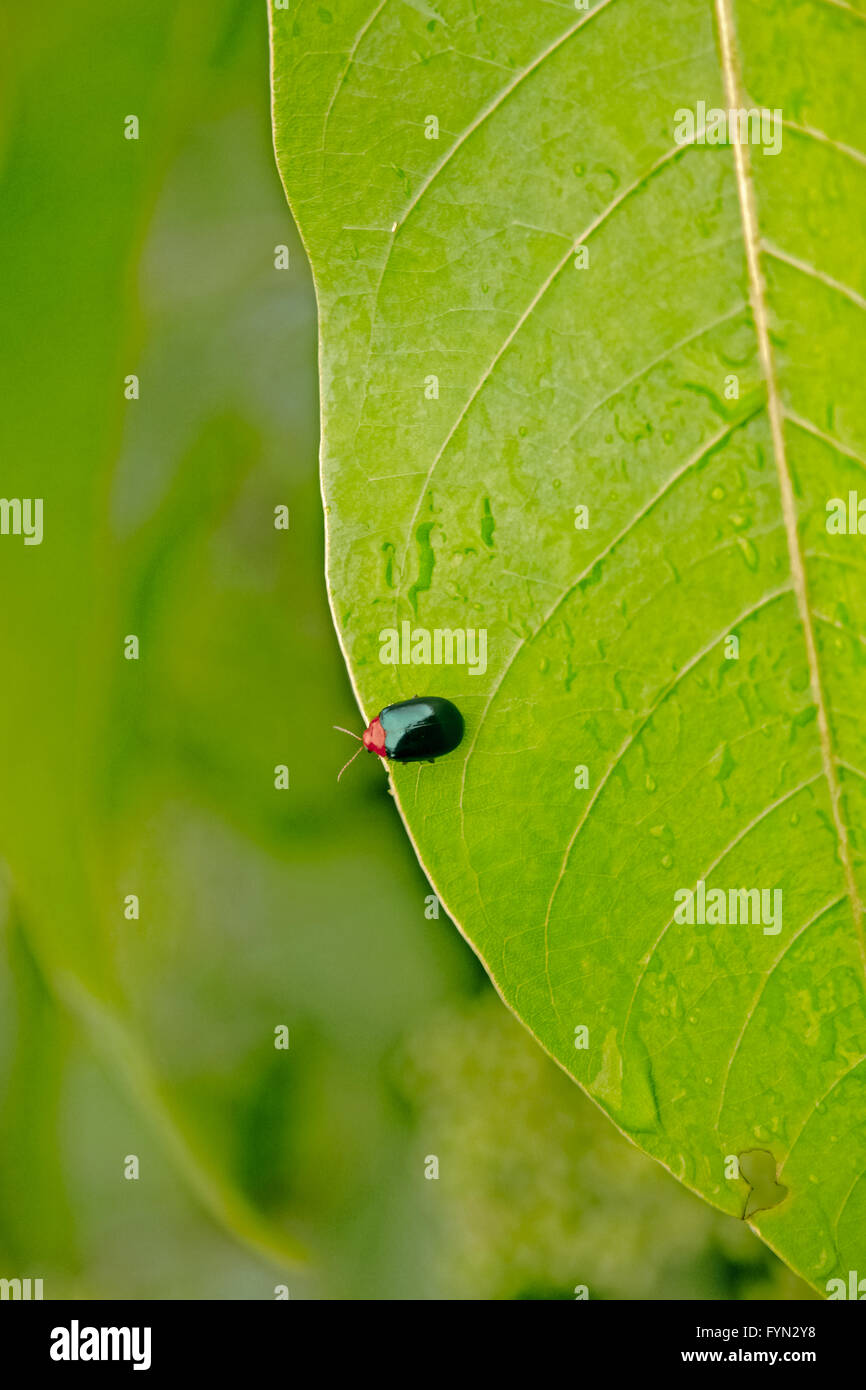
(36, 1223)
(70, 238)
(480, 384)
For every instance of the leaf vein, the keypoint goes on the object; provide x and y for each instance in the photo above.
(828, 907)
(684, 670)
(738, 838)
(816, 1107)
(812, 271)
(621, 535)
(670, 155)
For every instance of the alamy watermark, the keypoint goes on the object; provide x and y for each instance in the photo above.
(855, 1287)
(22, 516)
(721, 907)
(444, 646)
(846, 517)
(24, 1289)
(77, 1343)
(736, 126)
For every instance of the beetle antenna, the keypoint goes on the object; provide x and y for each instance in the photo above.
(351, 760)
(341, 730)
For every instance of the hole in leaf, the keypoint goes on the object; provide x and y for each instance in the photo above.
(758, 1167)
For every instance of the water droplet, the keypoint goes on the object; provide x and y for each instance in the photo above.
(717, 493)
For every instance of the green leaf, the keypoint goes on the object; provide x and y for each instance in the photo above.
(609, 386)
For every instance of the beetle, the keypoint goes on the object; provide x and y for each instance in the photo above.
(412, 731)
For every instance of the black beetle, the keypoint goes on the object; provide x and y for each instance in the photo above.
(413, 731)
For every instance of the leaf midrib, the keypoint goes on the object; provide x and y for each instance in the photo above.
(732, 83)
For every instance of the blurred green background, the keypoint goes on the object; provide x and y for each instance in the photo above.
(258, 907)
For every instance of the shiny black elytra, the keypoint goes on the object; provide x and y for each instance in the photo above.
(413, 731)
